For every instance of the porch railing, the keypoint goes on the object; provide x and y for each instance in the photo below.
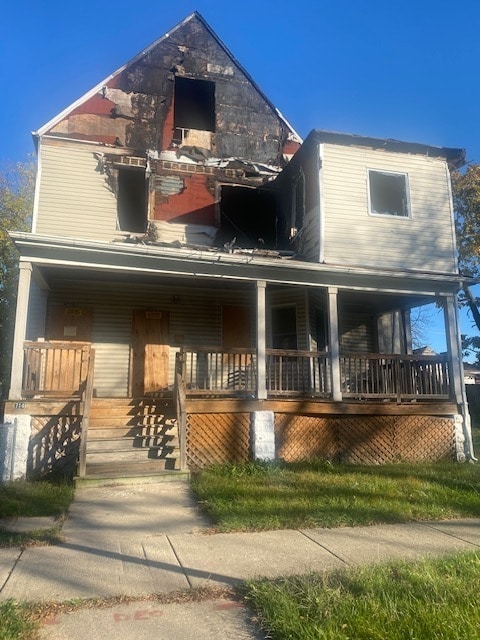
(218, 371)
(404, 377)
(58, 369)
(297, 373)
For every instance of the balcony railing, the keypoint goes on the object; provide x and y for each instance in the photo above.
(403, 377)
(58, 369)
(297, 373)
(208, 371)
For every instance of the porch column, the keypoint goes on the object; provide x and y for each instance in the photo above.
(452, 327)
(21, 315)
(261, 341)
(334, 344)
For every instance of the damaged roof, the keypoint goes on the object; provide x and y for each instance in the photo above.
(99, 90)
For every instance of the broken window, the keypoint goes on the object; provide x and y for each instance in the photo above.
(388, 193)
(248, 218)
(284, 328)
(132, 200)
(194, 104)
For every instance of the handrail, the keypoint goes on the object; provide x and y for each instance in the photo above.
(180, 406)
(87, 404)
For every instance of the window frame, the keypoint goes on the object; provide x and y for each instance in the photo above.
(387, 214)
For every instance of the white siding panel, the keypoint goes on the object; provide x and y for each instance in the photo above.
(37, 309)
(425, 241)
(74, 197)
(195, 320)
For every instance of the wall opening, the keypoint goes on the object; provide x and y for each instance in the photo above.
(194, 104)
(132, 200)
(248, 218)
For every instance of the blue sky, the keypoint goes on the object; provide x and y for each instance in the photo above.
(405, 70)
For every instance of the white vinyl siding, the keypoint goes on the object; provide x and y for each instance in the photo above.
(424, 241)
(74, 198)
(37, 310)
(194, 320)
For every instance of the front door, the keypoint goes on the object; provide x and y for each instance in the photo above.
(150, 352)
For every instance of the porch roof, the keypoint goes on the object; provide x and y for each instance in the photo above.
(67, 253)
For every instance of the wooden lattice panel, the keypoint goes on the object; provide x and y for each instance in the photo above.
(216, 438)
(424, 438)
(366, 439)
(300, 438)
(54, 445)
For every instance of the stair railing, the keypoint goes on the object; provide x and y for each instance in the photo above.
(180, 396)
(87, 405)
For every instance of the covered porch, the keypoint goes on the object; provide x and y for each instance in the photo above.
(228, 339)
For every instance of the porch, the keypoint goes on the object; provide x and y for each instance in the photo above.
(392, 407)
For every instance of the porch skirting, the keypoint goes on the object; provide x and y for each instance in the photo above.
(354, 439)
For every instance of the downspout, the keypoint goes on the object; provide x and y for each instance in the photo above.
(467, 429)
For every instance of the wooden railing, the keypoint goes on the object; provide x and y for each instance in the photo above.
(58, 369)
(404, 377)
(218, 371)
(180, 396)
(297, 373)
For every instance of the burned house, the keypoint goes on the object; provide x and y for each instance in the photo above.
(202, 286)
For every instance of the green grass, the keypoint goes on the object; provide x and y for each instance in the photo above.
(16, 621)
(428, 600)
(260, 496)
(29, 499)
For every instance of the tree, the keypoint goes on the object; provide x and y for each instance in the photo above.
(16, 202)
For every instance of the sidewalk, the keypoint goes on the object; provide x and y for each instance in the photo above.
(148, 539)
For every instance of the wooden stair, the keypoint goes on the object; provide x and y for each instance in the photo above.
(130, 438)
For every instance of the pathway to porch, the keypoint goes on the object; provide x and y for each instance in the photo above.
(144, 540)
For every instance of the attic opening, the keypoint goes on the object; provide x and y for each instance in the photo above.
(388, 193)
(248, 217)
(194, 102)
(132, 200)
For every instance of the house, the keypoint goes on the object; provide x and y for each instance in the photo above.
(200, 285)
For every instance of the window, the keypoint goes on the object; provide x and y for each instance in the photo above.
(132, 200)
(388, 193)
(284, 328)
(194, 104)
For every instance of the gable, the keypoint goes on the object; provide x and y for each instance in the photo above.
(139, 107)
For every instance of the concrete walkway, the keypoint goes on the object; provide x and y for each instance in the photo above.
(140, 540)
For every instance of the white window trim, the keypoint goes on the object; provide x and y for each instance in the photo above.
(407, 190)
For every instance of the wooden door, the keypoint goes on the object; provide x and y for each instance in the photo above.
(70, 324)
(150, 352)
(236, 327)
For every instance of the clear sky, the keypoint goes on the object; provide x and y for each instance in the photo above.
(404, 70)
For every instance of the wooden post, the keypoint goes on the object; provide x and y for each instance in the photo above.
(334, 343)
(21, 314)
(180, 406)
(261, 341)
(87, 405)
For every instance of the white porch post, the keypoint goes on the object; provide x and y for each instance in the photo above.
(333, 343)
(21, 315)
(261, 341)
(452, 328)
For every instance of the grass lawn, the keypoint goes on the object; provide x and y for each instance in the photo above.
(260, 496)
(428, 600)
(16, 622)
(30, 499)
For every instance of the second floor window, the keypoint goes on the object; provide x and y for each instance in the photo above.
(388, 193)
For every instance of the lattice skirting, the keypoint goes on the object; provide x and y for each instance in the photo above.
(54, 446)
(217, 438)
(365, 439)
